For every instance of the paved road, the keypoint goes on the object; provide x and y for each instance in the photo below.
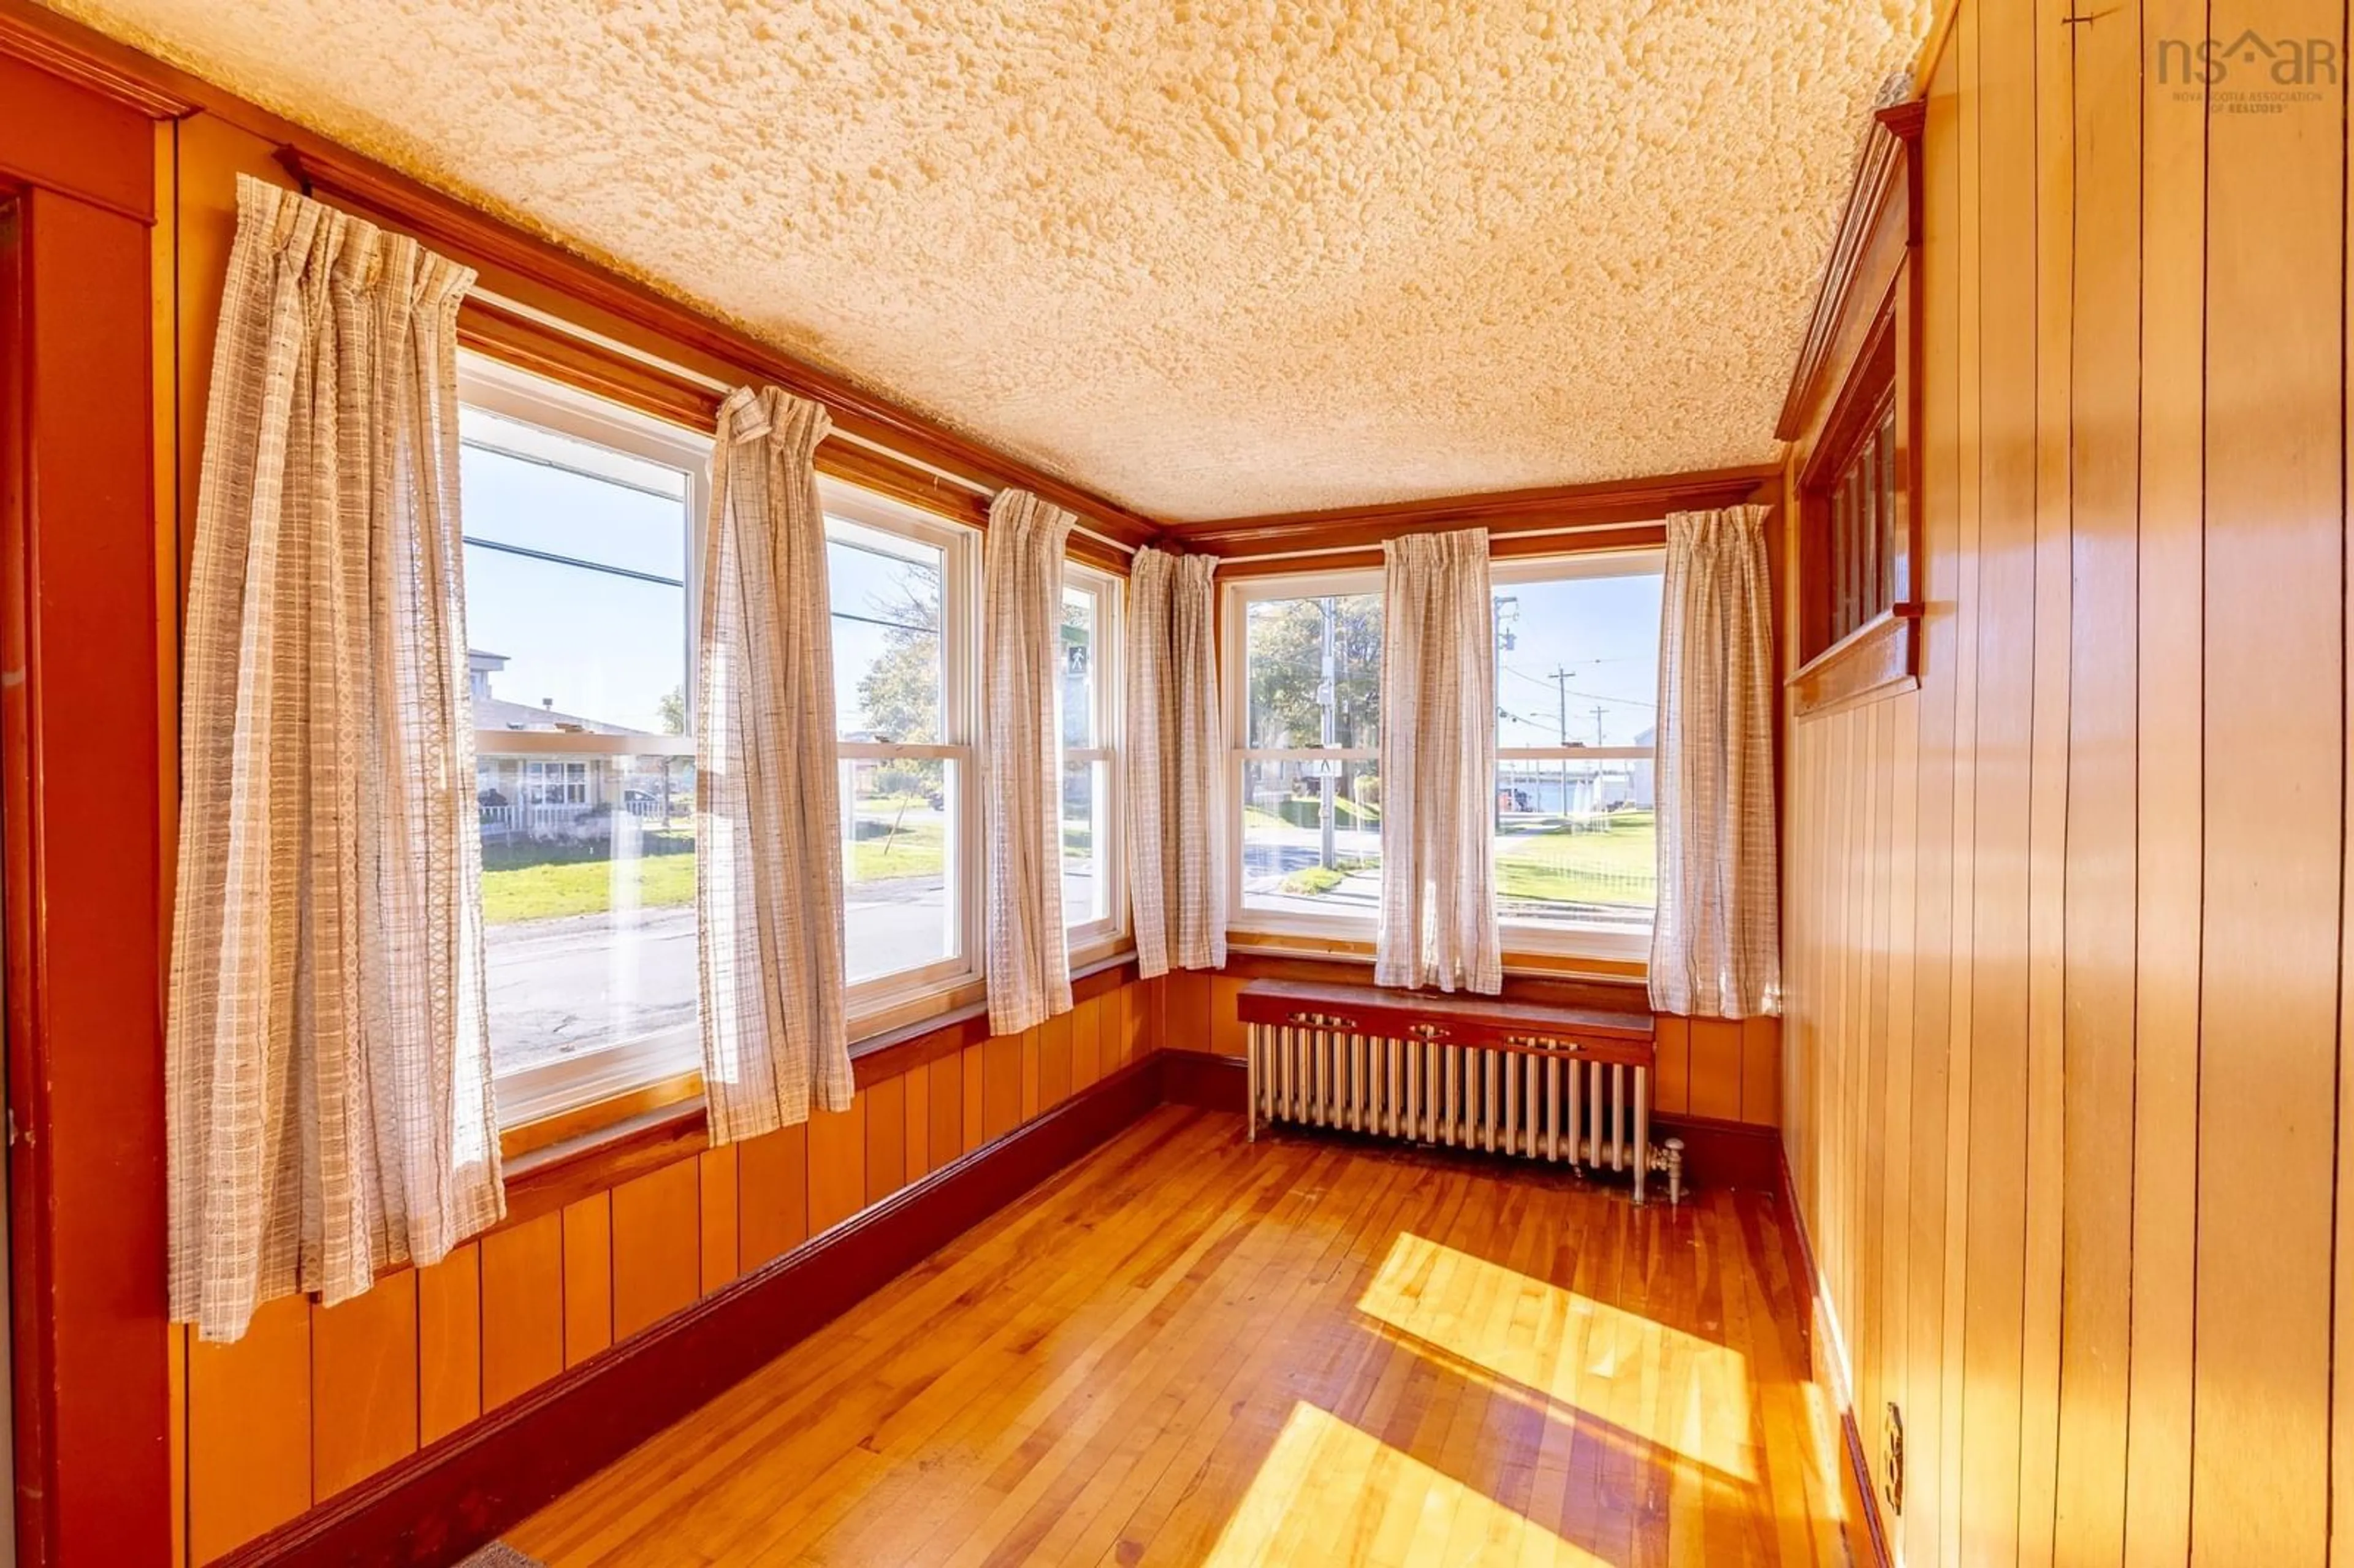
(562, 987)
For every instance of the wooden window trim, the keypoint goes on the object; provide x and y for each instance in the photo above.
(1858, 364)
(551, 1170)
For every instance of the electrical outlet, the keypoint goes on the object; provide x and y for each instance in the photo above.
(1891, 1458)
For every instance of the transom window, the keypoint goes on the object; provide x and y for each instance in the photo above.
(580, 573)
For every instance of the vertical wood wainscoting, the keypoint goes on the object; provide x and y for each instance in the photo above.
(314, 1401)
(2064, 1103)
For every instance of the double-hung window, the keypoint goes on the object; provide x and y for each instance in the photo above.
(1303, 706)
(581, 533)
(905, 588)
(1095, 912)
(1577, 677)
(1577, 688)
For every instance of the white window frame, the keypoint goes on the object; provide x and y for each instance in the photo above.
(1544, 936)
(886, 1000)
(552, 1088)
(1239, 596)
(1095, 937)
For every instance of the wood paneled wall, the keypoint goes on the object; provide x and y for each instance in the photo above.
(1709, 1067)
(315, 1400)
(2065, 929)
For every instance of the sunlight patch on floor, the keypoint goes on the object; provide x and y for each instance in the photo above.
(1685, 1393)
(1328, 1492)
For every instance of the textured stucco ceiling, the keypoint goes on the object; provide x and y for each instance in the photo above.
(1208, 256)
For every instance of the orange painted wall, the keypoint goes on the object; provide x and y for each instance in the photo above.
(2066, 935)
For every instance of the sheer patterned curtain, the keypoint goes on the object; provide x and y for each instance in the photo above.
(769, 875)
(1716, 943)
(1175, 764)
(1438, 766)
(1029, 965)
(327, 1056)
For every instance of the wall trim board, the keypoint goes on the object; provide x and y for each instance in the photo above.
(1801, 1251)
(1504, 511)
(455, 1494)
(1881, 217)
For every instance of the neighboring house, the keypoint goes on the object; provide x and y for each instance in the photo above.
(539, 796)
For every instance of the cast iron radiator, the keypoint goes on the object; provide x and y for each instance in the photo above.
(1534, 1083)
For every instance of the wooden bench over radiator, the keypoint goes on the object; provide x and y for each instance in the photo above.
(1468, 1072)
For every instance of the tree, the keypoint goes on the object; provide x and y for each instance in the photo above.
(673, 711)
(1287, 671)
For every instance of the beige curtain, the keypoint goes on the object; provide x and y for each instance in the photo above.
(327, 1059)
(1175, 763)
(767, 890)
(1438, 766)
(1029, 962)
(1716, 945)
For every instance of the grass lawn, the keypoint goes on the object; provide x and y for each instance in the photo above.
(583, 887)
(1558, 866)
(561, 885)
(882, 854)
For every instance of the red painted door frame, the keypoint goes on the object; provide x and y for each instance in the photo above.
(81, 872)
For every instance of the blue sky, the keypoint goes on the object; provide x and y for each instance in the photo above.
(603, 647)
(1604, 632)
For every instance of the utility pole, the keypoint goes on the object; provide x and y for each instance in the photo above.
(1561, 696)
(1330, 692)
(1597, 723)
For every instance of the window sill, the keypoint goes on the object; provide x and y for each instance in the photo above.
(1533, 962)
(632, 1138)
(1881, 657)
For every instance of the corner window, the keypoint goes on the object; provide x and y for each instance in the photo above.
(1304, 663)
(904, 588)
(580, 572)
(1577, 690)
(1094, 908)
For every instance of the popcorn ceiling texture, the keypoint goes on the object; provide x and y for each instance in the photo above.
(1209, 257)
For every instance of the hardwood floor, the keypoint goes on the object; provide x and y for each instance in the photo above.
(1191, 1350)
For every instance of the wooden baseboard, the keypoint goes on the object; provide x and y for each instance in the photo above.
(452, 1497)
(1802, 1261)
(1199, 1078)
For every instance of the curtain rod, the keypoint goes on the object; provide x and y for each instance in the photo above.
(1225, 561)
(713, 384)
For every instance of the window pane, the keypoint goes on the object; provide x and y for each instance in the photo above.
(571, 645)
(536, 490)
(1291, 861)
(1291, 704)
(1578, 660)
(587, 902)
(1078, 668)
(1574, 842)
(899, 864)
(888, 672)
(1086, 892)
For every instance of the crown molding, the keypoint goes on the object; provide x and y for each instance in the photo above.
(1502, 512)
(1882, 218)
(66, 48)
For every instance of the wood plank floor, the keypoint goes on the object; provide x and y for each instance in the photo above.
(1191, 1350)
